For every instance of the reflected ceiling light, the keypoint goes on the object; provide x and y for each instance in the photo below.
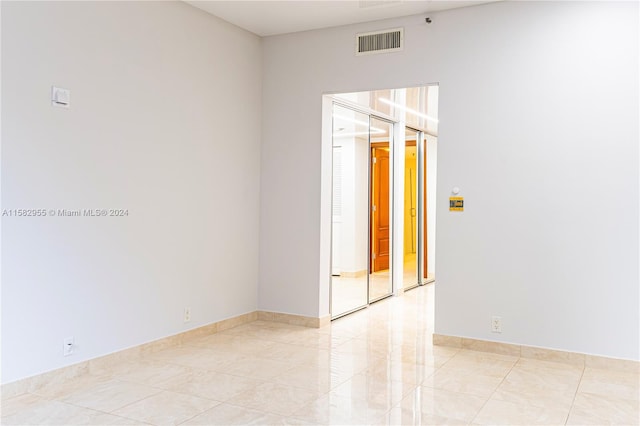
(409, 110)
(373, 131)
(351, 119)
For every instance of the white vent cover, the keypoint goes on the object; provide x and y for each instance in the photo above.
(379, 42)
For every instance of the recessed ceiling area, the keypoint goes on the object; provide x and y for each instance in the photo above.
(416, 107)
(266, 18)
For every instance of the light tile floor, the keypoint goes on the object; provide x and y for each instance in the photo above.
(348, 293)
(376, 366)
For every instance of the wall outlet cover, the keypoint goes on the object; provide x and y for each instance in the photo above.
(496, 324)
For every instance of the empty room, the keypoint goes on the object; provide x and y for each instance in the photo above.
(320, 212)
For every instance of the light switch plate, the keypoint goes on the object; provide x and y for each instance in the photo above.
(60, 97)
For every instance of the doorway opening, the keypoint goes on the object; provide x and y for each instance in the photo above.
(382, 194)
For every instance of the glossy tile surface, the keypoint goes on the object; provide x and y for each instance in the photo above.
(166, 408)
(374, 367)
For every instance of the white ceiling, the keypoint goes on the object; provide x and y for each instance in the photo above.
(267, 17)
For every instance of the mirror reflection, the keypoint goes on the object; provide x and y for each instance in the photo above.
(350, 227)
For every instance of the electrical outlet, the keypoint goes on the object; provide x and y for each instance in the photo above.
(67, 346)
(187, 314)
(496, 324)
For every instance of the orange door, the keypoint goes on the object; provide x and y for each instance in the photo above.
(380, 217)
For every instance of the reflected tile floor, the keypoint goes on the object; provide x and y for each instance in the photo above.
(374, 367)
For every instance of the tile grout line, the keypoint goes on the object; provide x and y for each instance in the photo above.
(575, 394)
(89, 408)
(495, 390)
(199, 414)
(111, 412)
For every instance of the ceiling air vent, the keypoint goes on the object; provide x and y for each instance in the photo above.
(379, 42)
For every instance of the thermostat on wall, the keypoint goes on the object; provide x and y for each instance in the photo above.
(60, 97)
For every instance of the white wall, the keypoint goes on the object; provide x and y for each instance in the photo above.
(538, 127)
(165, 122)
